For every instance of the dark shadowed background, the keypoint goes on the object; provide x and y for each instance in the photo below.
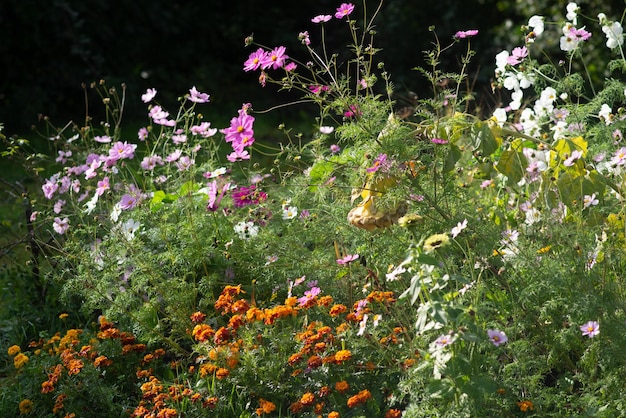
(48, 49)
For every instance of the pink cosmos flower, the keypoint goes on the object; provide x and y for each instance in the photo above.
(275, 58)
(61, 225)
(347, 259)
(304, 38)
(352, 112)
(204, 130)
(49, 188)
(142, 134)
(290, 67)
(497, 337)
(255, 60)
(378, 163)
(58, 206)
(197, 97)
(462, 34)
(517, 55)
(245, 196)
(150, 162)
(104, 139)
(103, 186)
(240, 126)
(148, 95)
(321, 18)
(344, 10)
(580, 34)
(438, 141)
(179, 138)
(444, 340)
(184, 163)
(174, 156)
(122, 150)
(62, 158)
(215, 197)
(590, 329)
(334, 148)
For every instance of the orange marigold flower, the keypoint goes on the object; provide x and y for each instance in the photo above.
(342, 387)
(210, 402)
(265, 407)
(221, 336)
(341, 328)
(221, 373)
(320, 347)
(359, 398)
(318, 408)
(236, 321)
(197, 317)
(393, 413)
(291, 302)
(307, 399)
(102, 361)
(296, 407)
(325, 300)
(232, 290)
(255, 314)
(337, 310)
(324, 391)
(343, 355)
(333, 415)
(525, 405)
(47, 387)
(240, 306)
(294, 358)
(202, 332)
(314, 362)
(207, 369)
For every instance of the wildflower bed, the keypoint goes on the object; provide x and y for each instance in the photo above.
(424, 262)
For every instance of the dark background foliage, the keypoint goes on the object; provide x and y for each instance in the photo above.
(50, 48)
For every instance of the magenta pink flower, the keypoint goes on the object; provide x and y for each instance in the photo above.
(197, 97)
(254, 60)
(438, 141)
(352, 112)
(462, 34)
(344, 10)
(379, 162)
(238, 156)
(347, 259)
(204, 130)
(245, 196)
(240, 126)
(215, 197)
(142, 134)
(321, 18)
(50, 187)
(275, 58)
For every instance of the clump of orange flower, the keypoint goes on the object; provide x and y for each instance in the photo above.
(525, 405)
(343, 355)
(265, 407)
(360, 398)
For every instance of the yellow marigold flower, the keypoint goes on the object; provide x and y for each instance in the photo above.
(525, 405)
(19, 360)
(14, 349)
(343, 355)
(64, 315)
(544, 250)
(435, 241)
(26, 406)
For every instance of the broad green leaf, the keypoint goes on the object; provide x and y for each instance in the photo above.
(512, 164)
(484, 140)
